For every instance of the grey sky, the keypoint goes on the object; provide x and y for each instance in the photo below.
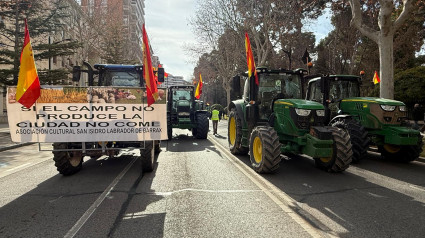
(167, 24)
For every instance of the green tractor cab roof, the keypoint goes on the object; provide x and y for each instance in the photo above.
(301, 104)
(382, 101)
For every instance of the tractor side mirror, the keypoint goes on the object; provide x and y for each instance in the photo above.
(76, 73)
(161, 74)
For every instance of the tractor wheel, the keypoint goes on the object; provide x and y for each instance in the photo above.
(147, 156)
(234, 130)
(404, 153)
(157, 146)
(67, 162)
(202, 126)
(359, 137)
(342, 152)
(264, 149)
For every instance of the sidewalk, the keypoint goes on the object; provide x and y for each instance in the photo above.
(6, 142)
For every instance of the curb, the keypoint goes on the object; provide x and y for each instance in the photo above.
(15, 146)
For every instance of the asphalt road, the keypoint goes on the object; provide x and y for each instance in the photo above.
(200, 190)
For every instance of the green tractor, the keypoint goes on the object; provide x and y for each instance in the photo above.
(368, 120)
(270, 119)
(184, 112)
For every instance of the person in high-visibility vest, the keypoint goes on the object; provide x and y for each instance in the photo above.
(215, 118)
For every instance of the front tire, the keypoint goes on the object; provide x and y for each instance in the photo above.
(264, 149)
(342, 152)
(147, 156)
(359, 137)
(202, 126)
(67, 162)
(403, 154)
(234, 134)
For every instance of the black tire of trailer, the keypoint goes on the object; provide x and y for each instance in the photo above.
(157, 146)
(147, 156)
(65, 161)
(359, 137)
(264, 149)
(202, 126)
(235, 147)
(340, 160)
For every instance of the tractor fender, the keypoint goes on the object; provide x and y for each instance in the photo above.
(339, 117)
(239, 111)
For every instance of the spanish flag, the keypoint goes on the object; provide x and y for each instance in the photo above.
(151, 87)
(28, 89)
(250, 59)
(198, 91)
(376, 79)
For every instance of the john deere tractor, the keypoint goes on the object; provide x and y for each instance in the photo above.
(270, 119)
(184, 112)
(368, 120)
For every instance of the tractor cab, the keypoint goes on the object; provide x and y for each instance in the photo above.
(330, 90)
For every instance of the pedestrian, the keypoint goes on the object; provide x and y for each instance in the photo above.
(417, 115)
(215, 118)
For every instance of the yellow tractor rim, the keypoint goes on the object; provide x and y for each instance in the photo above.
(392, 148)
(257, 150)
(325, 159)
(232, 131)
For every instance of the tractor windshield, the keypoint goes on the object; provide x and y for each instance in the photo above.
(121, 78)
(282, 85)
(340, 89)
(182, 97)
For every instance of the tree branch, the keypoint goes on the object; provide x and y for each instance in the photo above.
(357, 21)
(407, 9)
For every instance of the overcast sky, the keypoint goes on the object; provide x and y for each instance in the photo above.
(167, 24)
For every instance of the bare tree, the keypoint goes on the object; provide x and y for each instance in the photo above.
(384, 36)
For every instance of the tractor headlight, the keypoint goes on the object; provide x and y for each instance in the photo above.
(403, 109)
(387, 108)
(302, 112)
(320, 113)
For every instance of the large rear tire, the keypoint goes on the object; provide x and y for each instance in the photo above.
(147, 156)
(67, 162)
(342, 152)
(202, 126)
(264, 149)
(403, 154)
(359, 137)
(234, 134)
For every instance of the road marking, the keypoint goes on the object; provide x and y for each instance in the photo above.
(18, 167)
(284, 201)
(404, 188)
(80, 223)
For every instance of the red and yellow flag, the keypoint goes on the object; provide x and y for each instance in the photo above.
(198, 91)
(250, 59)
(28, 89)
(376, 79)
(151, 87)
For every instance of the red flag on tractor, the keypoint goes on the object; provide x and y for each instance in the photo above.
(198, 91)
(28, 89)
(250, 59)
(151, 85)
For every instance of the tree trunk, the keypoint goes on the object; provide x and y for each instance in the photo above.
(386, 59)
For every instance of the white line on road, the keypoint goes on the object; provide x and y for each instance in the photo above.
(18, 167)
(390, 183)
(96, 204)
(273, 193)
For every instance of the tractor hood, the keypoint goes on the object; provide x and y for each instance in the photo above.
(300, 103)
(381, 101)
